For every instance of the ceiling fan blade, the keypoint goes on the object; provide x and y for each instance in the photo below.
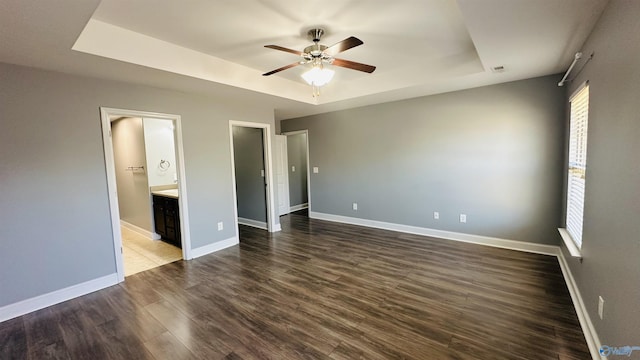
(343, 45)
(276, 47)
(280, 69)
(353, 65)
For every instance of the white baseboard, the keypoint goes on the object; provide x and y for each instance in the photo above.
(588, 329)
(211, 248)
(55, 297)
(39, 302)
(139, 230)
(298, 207)
(449, 235)
(276, 227)
(253, 223)
(590, 334)
(42, 301)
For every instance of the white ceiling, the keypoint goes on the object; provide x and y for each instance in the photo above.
(216, 48)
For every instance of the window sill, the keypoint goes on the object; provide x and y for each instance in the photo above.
(568, 241)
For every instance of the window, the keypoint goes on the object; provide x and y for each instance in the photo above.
(577, 163)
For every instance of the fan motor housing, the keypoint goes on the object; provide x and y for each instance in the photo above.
(315, 50)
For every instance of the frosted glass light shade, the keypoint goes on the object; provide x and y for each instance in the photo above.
(318, 76)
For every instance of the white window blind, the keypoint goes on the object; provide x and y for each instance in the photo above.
(577, 163)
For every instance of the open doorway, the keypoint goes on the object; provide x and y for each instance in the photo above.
(252, 175)
(144, 163)
(251, 184)
(298, 172)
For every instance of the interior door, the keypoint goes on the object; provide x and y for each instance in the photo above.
(282, 175)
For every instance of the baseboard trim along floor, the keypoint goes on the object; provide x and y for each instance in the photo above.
(216, 246)
(448, 235)
(139, 230)
(253, 223)
(29, 305)
(588, 329)
(293, 208)
(590, 334)
(55, 297)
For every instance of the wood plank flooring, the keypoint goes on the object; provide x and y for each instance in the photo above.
(318, 290)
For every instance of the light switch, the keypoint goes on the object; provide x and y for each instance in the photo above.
(315, 169)
(293, 169)
(262, 173)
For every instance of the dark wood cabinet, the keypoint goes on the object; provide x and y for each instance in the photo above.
(166, 217)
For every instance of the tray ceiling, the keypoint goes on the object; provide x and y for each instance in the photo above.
(420, 47)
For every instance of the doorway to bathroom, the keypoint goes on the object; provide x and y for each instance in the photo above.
(144, 162)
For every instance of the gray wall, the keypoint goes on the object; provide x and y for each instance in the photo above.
(133, 187)
(55, 225)
(297, 156)
(249, 162)
(494, 153)
(611, 240)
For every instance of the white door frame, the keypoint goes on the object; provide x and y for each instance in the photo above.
(272, 225)
(105, 115)
(281, 159)
(308, 163)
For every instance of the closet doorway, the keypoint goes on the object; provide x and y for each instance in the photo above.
(298, 171)
(251, 163)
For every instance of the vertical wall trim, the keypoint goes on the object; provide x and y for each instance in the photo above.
(185, 230)
(112, 190)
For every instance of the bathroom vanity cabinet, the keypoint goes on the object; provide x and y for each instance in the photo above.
(166, 215)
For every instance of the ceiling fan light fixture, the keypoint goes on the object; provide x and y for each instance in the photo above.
(318, 76)
(318, 54)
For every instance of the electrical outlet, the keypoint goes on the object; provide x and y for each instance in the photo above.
(600, 307)
(436, 215)
(355, 206)
(463, 218)
(220, 225)
(293, 168)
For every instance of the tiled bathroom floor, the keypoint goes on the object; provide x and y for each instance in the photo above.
(141, 253)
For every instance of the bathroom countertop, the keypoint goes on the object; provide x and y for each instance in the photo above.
(172, 193)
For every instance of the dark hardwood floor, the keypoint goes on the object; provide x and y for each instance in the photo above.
(318, 290)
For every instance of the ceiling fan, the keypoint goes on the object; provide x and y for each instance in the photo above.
(319, 55)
